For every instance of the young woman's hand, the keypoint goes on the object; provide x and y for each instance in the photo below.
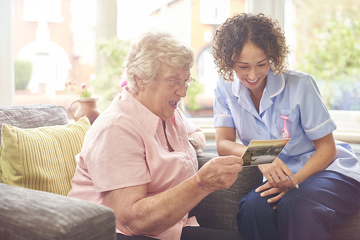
(266, 190)
(278, 174)
(280, 180)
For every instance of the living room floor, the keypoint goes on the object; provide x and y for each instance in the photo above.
(211, 148)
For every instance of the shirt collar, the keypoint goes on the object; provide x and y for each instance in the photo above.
(274, 86)
(129, 104)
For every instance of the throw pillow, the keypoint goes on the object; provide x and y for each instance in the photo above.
(42, 158)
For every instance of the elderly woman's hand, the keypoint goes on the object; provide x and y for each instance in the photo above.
(219, 173)
(138, 213)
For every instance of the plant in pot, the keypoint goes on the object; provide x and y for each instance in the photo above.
(87, 104)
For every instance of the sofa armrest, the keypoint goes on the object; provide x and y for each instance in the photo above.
(218, 210)
(31, 214)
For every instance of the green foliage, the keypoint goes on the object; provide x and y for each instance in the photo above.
(108, 79)
(333, 49)
(22, 71)
(85, 93)
(193, 90)
(82, 91)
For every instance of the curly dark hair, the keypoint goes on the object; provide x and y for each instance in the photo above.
(242, 28)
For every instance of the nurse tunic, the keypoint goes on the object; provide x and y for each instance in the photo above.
(294, 95)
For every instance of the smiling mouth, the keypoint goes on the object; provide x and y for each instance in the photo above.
(251, 82)
(254, 81)
(173, 103)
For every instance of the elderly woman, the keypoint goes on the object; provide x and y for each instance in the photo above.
(137, 158)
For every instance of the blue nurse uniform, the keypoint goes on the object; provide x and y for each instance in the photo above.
(302, 213)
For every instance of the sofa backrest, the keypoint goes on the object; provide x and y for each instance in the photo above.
(32, 116)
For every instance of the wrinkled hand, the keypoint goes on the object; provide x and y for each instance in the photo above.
(219, 173)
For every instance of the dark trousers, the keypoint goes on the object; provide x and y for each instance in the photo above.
(193, 233)
(322, 202)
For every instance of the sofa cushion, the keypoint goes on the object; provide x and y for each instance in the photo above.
(350, 230)
(32, 116)
(31, 214)
(41, 158)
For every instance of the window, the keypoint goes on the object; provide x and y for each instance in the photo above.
(324, 27)
(324, 36)
(42, 10)
(59, 48)
(214, 12)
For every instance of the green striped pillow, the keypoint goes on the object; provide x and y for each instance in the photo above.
(42, 158)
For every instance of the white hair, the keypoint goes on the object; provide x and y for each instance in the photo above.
(151, 49)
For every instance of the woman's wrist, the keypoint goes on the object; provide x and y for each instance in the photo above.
(193, 143)
(197, 140)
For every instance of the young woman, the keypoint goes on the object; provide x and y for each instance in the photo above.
(313, 185)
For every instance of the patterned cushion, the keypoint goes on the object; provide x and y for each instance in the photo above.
(32, 116)
(41, 158)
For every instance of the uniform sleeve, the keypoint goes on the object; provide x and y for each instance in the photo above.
(222, 113)
(315, 118)
(115, 157)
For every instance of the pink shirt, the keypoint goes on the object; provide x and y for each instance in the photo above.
(126, 146)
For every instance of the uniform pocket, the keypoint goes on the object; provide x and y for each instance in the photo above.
(291, 122)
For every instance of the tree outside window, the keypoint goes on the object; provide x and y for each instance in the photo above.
(328, 47)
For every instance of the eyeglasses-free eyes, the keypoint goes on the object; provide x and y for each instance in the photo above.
(178, 83)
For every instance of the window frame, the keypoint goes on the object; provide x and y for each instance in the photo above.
(43, 10)
(348, 122)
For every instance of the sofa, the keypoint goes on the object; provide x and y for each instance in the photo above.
(33, 197)
(40, 209)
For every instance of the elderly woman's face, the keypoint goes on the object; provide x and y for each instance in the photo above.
(163, 97)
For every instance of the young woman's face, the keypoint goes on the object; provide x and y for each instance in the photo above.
(252, 67)
(162, 98)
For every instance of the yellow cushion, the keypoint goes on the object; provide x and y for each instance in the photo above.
(42, 158)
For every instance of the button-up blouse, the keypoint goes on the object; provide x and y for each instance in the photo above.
(126, 146)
